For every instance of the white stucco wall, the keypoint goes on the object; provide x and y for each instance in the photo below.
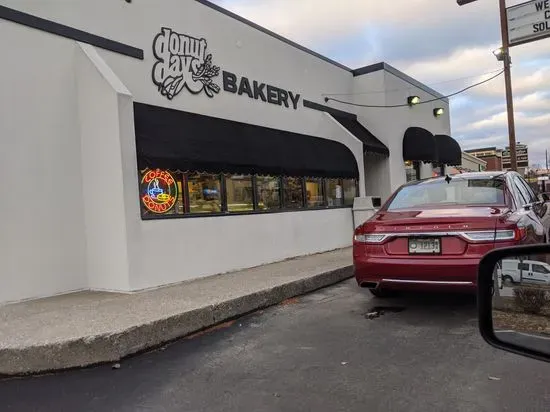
(42, 242)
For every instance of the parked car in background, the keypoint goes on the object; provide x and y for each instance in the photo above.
(431, 234)
(526, 271)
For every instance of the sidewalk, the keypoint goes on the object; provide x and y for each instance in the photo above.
(86, 328)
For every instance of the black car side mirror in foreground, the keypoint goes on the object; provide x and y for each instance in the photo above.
(514, 300)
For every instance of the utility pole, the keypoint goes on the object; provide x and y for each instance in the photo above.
(505, 57)
(508, 85)
(546, 157)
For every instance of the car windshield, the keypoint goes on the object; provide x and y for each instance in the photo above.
(456, 192)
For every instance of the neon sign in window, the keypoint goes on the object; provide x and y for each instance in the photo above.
(159, 191)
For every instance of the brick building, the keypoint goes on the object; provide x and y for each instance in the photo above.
(491, 155)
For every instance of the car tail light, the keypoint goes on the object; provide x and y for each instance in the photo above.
(490, 235)
(369, 238)
(520, 232)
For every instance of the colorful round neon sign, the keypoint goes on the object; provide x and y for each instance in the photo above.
(160, 191)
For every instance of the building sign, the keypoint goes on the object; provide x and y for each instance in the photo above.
(528, 21)
(183, 61)
(159, 191)
(259, 91)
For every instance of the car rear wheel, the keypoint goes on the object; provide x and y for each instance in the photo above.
(507, 280)
(382, 293)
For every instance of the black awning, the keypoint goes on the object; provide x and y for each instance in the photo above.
(171, 139)
(419, 144)
(448, 150)
(370, 142)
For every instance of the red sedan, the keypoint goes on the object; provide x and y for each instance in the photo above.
(432, 233)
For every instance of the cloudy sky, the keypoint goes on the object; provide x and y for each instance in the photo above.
(439, 43)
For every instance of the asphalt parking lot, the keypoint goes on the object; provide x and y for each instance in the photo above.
(320, 352)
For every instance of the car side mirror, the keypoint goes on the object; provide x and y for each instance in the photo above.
(514, 300)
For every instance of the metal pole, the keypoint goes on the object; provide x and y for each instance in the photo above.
(546, 160)
(508, 85)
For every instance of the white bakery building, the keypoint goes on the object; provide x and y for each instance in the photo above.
(145, 143)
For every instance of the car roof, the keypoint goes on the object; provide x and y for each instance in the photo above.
(462, 176)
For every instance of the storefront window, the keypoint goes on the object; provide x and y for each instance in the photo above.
(204, 193)
(334, 192)
(293, 193)
(412, 170)
(160, 192)
(350, 191)
(239, 193)
(314, 193)
(164, 192)
(269, 192)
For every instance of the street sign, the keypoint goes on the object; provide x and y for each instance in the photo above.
(528, 21)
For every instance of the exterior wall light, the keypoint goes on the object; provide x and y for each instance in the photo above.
(438, 111)
(412, 100)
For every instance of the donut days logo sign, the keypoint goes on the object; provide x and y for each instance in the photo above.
(183, 61)
(160, 191)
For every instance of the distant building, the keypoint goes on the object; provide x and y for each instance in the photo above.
(491, 155)
(522, 157)
(469, 163)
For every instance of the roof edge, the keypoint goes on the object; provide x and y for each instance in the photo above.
(322, 108)
(222, 10)
(398, 73)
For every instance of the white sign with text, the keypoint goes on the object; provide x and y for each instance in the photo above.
(528, 21)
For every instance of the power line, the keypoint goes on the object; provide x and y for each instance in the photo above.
(424, 102)
(410, 87)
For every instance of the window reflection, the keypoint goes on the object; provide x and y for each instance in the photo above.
(293, 193)
(314, 193)
(334, 192)
(204, 193)
(269, 192)
(350, 191)
(239, 193)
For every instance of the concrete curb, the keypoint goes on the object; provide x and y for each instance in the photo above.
(91, 350)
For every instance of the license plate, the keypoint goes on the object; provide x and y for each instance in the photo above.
(424, 246)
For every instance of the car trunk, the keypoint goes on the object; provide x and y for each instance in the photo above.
(418, 227)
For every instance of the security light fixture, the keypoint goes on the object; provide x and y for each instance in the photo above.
(502, 55)
(499, 54)
(412, 100)
(438, 111)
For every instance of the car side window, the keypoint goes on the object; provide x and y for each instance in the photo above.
(524, 198)
(530, 192)
(523, 266)
(540, 269)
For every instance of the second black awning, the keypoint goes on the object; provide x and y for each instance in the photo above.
(448, 150)
(171, 139)
(370, 142)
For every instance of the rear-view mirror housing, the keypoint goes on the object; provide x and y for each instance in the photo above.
(514, 300)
